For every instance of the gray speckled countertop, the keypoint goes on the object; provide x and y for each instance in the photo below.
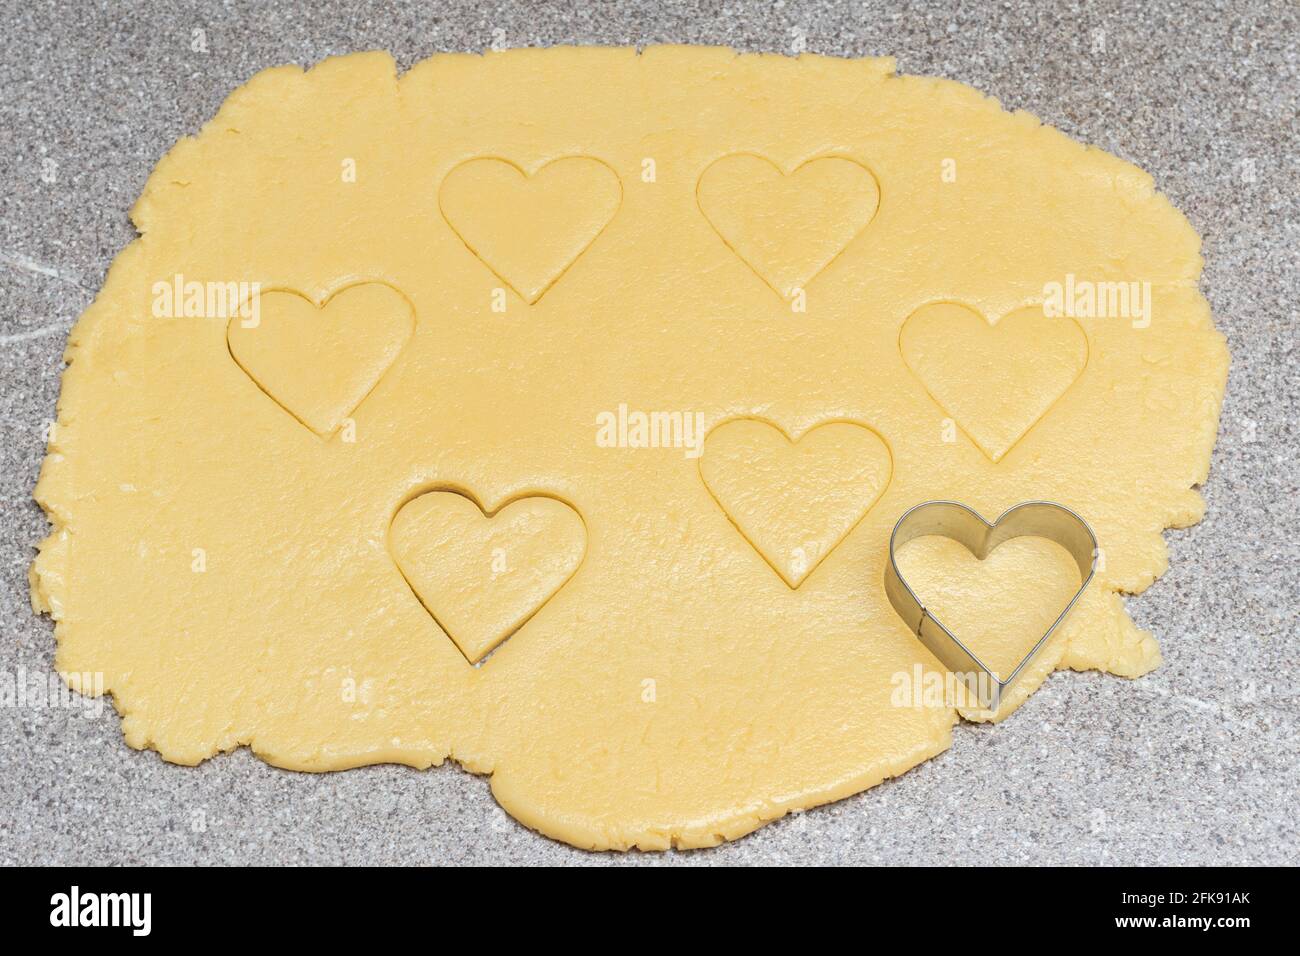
(1197, 763)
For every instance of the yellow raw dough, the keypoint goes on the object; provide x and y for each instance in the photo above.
(954, 352)
(318, 360)
(787, 227)
(482, 577)
(566, 202)
(763, 482)
(539, 238)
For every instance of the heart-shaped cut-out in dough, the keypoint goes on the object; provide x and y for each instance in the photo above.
(530, 228)
(483, 576)
(320, 362)
(995, 380)
(787, 227)
(999, 604)
(795, 501)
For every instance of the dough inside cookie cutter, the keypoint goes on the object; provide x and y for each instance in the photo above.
(951, 519)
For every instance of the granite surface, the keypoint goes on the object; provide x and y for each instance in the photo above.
(1197, 763)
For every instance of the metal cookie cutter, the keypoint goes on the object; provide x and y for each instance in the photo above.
(1038, 519)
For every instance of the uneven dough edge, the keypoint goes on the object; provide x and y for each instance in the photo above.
(697, 834)
(1125, 650)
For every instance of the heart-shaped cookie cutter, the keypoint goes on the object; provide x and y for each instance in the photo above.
(951, 519)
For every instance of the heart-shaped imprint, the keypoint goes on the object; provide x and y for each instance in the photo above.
(320, 362)
(482, 576)
(787, 227)
(795, 501)
(999, 603)
(530, 228)
(995, 380)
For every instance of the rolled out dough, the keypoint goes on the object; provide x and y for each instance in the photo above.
(619, 367)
